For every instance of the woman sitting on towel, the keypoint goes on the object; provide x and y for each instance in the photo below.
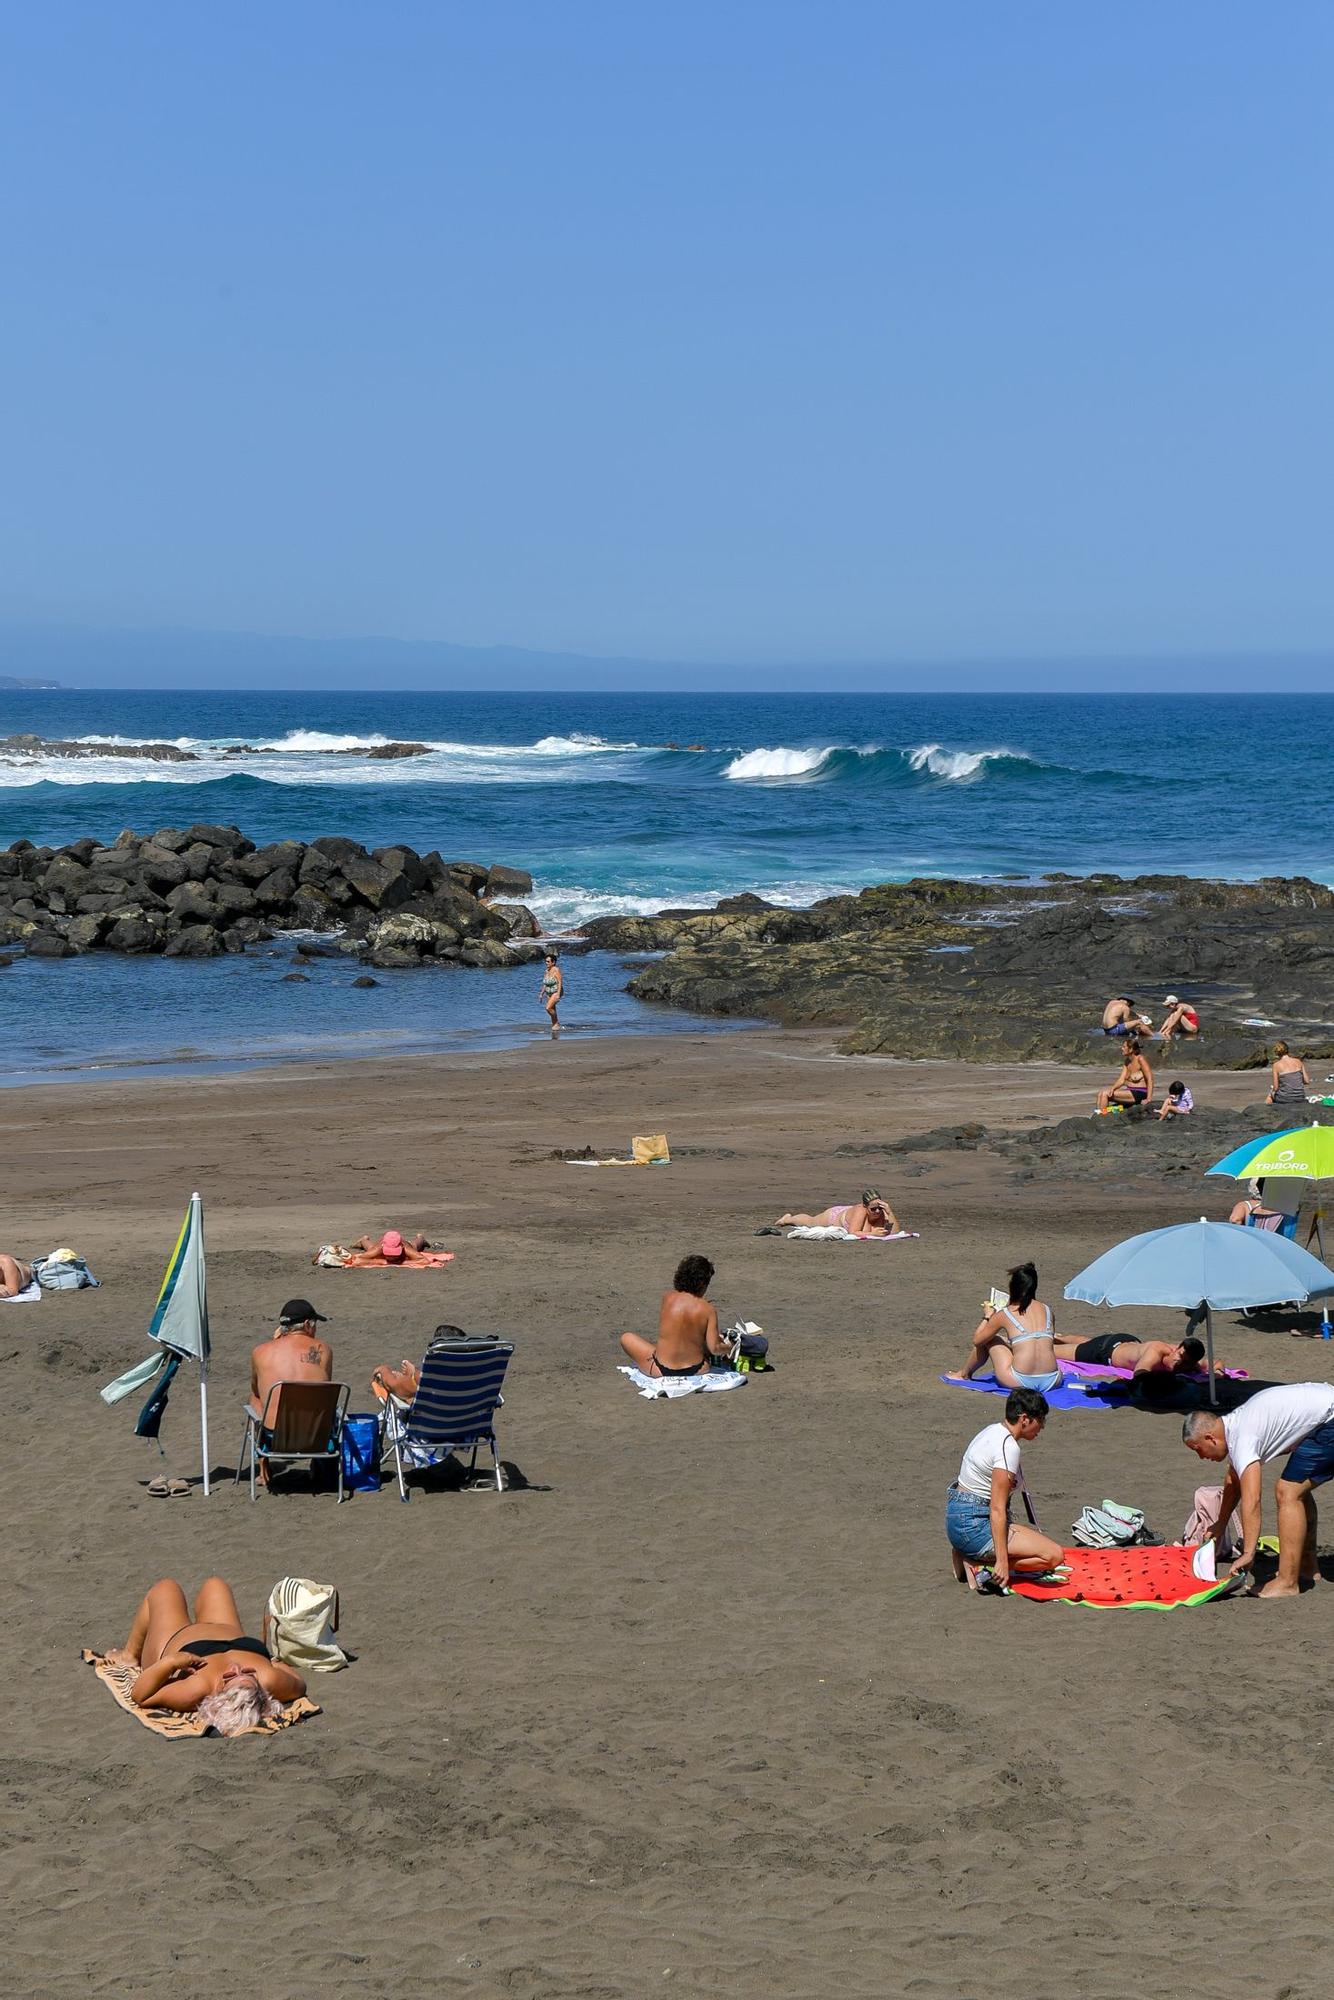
(203, 1664)
(688, 1337)
(977, 1510)
(15, 1275)
(871, 1216)
(1016, 1338)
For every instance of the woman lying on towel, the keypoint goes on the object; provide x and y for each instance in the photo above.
(1016, 1338)
(871, 1216)
(203, 1663)
(977, 1509)
(392, 1250)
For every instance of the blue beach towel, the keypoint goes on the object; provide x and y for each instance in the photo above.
(1067, 1397)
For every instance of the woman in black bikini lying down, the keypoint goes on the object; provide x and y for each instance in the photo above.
(203, 1663)
(688, 1336)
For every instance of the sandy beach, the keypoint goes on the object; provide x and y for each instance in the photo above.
(696, 1707)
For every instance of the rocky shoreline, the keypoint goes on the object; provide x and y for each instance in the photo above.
(1008, 973)
(206, 890)
(27, 748)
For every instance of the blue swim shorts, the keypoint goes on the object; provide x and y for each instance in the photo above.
(1313, 1458)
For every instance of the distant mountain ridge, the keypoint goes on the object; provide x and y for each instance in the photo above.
(8, 681)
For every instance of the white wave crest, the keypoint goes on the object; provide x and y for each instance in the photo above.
(958, 766)
(315, 740)
(776, 764)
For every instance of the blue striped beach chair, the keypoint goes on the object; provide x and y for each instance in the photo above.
(457, 1397)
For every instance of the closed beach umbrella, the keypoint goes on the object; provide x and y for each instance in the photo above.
(1202, 1267)
(1305, 1154)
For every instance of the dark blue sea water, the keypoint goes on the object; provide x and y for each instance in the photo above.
(794, 796)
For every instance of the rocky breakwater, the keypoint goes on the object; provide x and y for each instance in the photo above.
(206, 890)
(1006, 973)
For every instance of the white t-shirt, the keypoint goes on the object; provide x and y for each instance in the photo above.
(992, 1447)
(1276, 1421)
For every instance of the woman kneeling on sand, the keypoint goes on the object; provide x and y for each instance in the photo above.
(203, 1664)
(871, 1216)
(1016, 1338)
(977, 1511)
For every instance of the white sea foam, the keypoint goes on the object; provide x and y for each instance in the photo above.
(958, 766)
(776, 764)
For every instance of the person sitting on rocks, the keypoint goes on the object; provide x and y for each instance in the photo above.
(1288, 1081)
(1180, 1019)
(688, 1338)
(15, 1275)
(1134, 1086)
(1142, 1357)
(1119, 1017)
(392, 1250)
(1178, 1102)
(871, 1216)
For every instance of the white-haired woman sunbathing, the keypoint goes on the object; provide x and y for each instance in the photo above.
(203, 1664)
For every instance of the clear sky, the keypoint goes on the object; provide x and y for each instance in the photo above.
(723, 330)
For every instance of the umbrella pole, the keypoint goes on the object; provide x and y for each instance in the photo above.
(203, 1420)
(1209, 1354)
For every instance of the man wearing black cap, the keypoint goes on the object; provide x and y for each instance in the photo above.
(293, 1352)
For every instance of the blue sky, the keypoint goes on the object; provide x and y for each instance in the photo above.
(734, 332)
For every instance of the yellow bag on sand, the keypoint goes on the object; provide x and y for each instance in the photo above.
(647, 1152)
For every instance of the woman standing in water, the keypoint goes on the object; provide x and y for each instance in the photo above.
(553, 989)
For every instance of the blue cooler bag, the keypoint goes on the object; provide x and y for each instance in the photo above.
(361, 1453)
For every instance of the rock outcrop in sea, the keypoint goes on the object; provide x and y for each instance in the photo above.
(207, 890)
(1008, 973)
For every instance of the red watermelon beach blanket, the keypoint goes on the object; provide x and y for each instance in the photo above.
(1144, 1579)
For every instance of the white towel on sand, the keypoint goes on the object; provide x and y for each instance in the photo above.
(655, 1387)
(27, 1297)
(815, 1232)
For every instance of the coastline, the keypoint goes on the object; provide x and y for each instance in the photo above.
(752, 1595)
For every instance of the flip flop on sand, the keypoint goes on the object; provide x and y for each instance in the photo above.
(168, 1489)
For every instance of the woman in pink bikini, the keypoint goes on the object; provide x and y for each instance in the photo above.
(871, 1216)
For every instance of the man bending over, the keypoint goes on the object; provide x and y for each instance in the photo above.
(688, 1336)
(1296, 1418)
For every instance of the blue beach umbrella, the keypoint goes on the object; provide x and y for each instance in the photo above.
(1202, 1267)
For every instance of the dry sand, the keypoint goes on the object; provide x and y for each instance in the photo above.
(700, 1710)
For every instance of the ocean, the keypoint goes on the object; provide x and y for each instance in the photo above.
(620, 803)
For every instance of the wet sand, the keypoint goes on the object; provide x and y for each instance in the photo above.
(698, 1709)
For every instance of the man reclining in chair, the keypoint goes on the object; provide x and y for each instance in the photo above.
(688, 1337)
(293, 1352)
(401, 1382)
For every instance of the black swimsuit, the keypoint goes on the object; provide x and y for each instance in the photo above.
(695, 1368)
(204, 1647)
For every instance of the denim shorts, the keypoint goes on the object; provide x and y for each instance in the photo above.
(968, 1525)
(1314, 1458)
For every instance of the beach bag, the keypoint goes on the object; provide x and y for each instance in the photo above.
(299, 1625)
(650, 1152)
(62, 1271)
(1204, 1517)
(361, 1453)
(748, 1347)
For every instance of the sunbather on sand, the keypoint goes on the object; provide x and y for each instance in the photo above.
(393, 1248)
(688, 1336)
(202, 1662)
(1017, 1339)
(401, 1382)
(1144, 1357)
(871, 1216)
(15, 1275)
